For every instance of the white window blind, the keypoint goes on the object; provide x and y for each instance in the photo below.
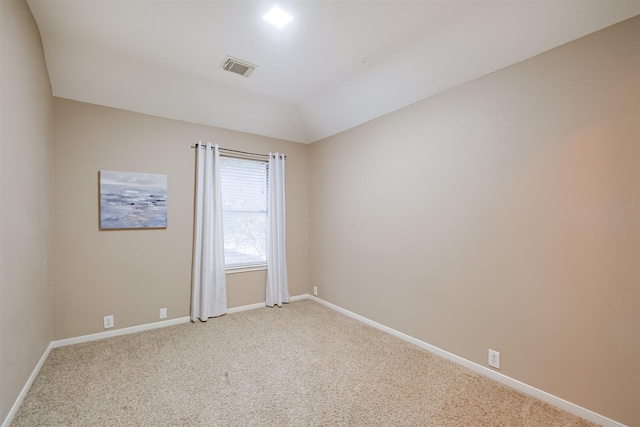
(244, 206)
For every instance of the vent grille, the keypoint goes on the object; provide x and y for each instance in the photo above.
(237, 66)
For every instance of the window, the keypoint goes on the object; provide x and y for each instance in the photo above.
(244, 208)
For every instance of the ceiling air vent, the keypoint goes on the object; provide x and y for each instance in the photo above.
(237, 66)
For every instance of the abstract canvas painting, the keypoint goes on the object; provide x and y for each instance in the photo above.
(132, 200)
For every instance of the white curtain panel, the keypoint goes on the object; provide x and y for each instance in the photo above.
(277, 287)
(209, 287)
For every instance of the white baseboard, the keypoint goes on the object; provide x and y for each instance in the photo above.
(149, 326)
(16, 405)
(154, 325)
(520, 386)
(261, 304)
(501, 378)
(246, 307)
(108, 334)
(117, 332)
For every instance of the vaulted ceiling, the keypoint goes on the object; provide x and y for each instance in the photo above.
(336, 65)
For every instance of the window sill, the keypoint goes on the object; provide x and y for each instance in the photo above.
(232, 270)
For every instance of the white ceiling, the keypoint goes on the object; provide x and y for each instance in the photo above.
(336, 65)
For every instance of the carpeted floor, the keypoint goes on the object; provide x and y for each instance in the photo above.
(299, 365)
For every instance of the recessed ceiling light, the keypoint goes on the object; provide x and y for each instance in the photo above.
(277, 17)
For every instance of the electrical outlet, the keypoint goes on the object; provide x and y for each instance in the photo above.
(108, 321)
(163, 313)
(315, 291)
(494, 359)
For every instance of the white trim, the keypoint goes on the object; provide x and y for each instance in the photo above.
(261, 304)
(501, 378)
(233, 270)
(117, 332)
(154, 325)
(246, 307)
(109, 334)
(16, 405)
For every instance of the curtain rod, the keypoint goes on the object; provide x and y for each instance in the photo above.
(238, 151)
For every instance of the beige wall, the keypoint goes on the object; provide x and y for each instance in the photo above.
(501, 214)
(133, 273)
(26, 204)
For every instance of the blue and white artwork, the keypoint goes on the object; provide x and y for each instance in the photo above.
(133, 200)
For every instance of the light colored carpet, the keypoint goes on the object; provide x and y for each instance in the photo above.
(299, 365)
